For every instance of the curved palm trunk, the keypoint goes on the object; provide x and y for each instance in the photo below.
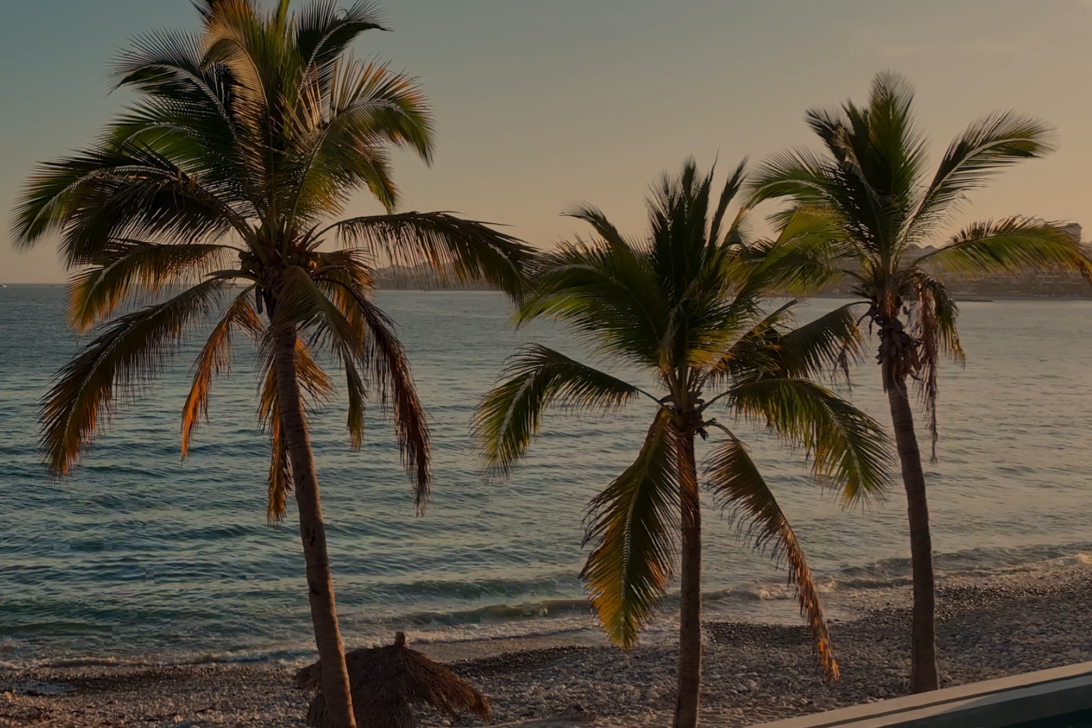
(320, 585)
(689, 674)
(923, 670)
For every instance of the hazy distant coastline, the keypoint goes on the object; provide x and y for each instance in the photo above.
(1040, 286)
(424, 278)
(1029, 286)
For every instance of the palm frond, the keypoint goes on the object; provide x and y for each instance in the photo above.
(774, 348)
(600, 223)
(279, 480)
(848, 449)
(932, 323)
(323, 32)
(214, 358)
(238, 38)
(889, 148)
(753, 354)
(110, 369)
(317, 385)
(738, 486)
(340, 315)
(388, 371)
(266, 74)
(1015, 245)
(357, 394)
(313, 380)
(731, 188)
(800, 175)
(610, 294)
(208, 8)
(129, 267)
(184, 108)
(811, 251)
(344, 131)
(634, 524)
(302, 302)
(344, 276)
(469, 249)
(678, 215)
(101, 196)
(808, 255)
(825, 346)
(988, 146)
(536, 378)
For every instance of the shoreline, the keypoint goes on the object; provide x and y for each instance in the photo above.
(754, 672)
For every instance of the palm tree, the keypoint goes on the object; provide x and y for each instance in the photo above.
(245, 142)
(873, 193)
(686, 305)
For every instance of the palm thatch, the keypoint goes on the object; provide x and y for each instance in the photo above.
(388, 682)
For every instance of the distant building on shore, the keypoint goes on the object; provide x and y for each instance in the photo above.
(1073, 230)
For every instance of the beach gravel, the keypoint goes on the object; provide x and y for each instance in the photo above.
(753, 672)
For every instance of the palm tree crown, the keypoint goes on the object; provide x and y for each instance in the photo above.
(246, 140)
(871, 201)
(878, 203)
(689, 304)
(243, 148)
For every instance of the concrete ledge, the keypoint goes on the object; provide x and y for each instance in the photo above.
(993, 704)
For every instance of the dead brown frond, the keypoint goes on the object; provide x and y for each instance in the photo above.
(387, 683)
(738, 486)
(317, 384)
(215, 357)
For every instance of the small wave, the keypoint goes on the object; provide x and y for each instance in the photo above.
(208, 658)
(556, 617)
(106, 662)
(499, 631)
(772, 594)
(525, 610)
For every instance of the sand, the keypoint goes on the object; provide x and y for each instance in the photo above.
(753, 673)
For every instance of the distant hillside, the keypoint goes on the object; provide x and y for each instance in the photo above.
(1038, 285)
(1035, 285)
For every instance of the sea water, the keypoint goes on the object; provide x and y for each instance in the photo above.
(139, 555)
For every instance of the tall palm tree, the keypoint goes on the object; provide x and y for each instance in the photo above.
(245, 142)
(873, 193)
(686, 304)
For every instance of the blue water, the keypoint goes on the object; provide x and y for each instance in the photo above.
(139, 553)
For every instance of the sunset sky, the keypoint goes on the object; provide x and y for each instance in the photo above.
(540, 103)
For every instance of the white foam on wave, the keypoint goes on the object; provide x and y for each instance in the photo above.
(772, 593)
(561, 620)
(544, 627)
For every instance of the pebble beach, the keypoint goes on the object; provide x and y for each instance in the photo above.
(754, 673)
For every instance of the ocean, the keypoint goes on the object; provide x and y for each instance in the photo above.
(140, 556)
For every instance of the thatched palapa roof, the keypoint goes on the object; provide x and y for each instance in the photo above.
(388, 682)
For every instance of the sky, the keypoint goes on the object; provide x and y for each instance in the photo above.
(543, 103)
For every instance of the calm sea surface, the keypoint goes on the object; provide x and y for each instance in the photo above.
(139, 553)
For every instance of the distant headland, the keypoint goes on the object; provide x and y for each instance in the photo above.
(964, 288)
(1027, 285)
